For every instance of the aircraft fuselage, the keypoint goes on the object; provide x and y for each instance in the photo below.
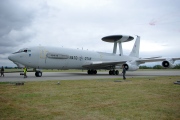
(62, 58)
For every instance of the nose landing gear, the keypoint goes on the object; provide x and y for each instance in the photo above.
(38, 73)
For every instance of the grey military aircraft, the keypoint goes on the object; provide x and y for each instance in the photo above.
(45, 57)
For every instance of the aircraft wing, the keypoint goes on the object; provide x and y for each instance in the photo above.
(175, 59)
(155, 59)
(102, 64)
(110, 64)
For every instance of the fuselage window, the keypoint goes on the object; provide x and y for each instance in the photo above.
(22, 50)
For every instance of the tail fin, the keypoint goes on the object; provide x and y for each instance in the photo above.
(135, 50)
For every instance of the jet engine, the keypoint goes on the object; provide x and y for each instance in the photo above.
(168, 64)
(130, 67)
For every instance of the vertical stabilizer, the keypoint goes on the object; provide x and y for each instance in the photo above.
(135, 50)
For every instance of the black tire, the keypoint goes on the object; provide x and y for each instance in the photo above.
(95, 72)
(117, 72)
(113, 72)
(110, 72)
(89, 72)
(38, 73)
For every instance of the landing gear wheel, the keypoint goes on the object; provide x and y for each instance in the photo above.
(38, 73)
(95, 71)
(110, 72)
(90, 72)
(117, 72)
(113, 72)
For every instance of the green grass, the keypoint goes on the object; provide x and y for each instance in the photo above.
(104, 99)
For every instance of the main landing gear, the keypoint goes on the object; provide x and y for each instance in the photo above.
(111, 72)
(114, 72)
(38, 73)
(91, 72)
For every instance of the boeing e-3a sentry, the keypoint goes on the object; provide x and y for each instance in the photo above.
(44, 57)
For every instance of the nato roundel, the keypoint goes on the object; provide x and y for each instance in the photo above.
(117, 38)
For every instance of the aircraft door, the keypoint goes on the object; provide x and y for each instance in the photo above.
(42, 55)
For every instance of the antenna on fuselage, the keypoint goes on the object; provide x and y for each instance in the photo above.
(117, 39)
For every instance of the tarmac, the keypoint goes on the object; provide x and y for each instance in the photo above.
(16, 77)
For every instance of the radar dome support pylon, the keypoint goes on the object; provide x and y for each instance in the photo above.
(115, 47)
(120, 49)
(117, 39)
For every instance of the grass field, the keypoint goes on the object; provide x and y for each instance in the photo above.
(102, 99)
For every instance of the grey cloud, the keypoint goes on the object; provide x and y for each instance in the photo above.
(16, 18)
(13, 16)
(15, 37)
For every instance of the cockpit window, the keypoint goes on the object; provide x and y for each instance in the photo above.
(23, 50)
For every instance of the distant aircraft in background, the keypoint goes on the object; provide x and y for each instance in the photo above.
(43, 57)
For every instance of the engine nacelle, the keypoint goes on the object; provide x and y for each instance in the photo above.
(130, 67)
(167, 64)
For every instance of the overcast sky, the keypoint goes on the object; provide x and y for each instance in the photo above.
(82, 23)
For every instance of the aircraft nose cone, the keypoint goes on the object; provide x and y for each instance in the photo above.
(10, 57)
